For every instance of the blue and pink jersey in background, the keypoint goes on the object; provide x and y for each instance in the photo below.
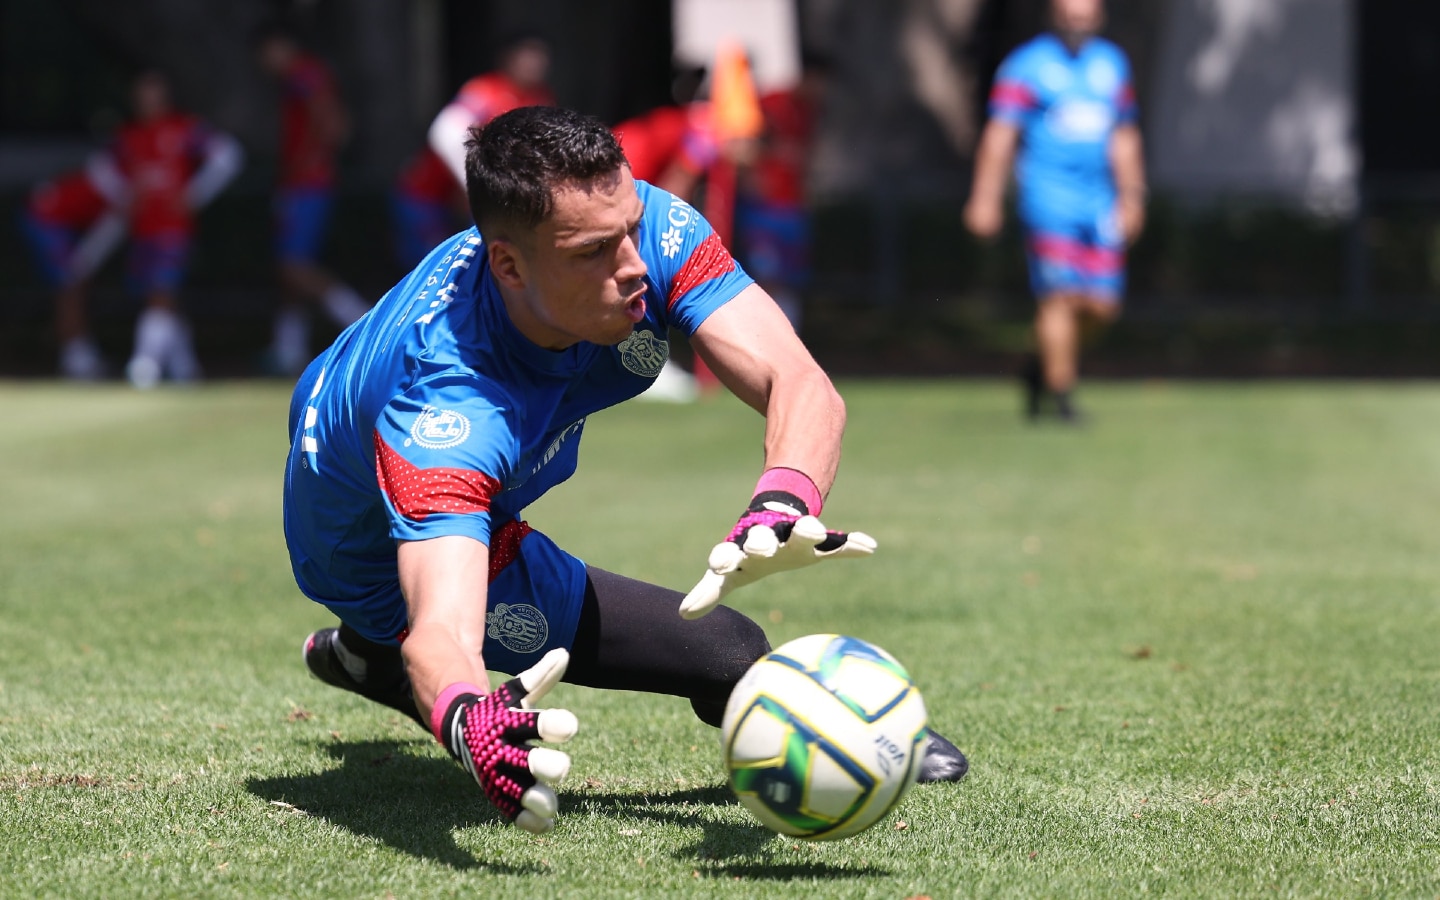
(1067, 106)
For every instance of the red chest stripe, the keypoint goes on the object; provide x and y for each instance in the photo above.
(707, 261)
(417, 493)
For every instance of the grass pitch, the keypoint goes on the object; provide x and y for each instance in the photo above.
(1191, 651)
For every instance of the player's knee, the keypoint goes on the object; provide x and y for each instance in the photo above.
(739, 642)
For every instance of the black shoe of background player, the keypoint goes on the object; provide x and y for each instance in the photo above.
(1032, 376)
(1066, 410)
(374, 671)
(943, 761)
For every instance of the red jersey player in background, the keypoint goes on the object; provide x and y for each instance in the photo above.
(772, 212)
(74, 222)
(429, 202)
(314, 125)
(174, 164)
(689, 146)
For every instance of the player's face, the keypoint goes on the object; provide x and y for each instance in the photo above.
(1078, 18)
(582, 267)
(151, 97)
(528, 64)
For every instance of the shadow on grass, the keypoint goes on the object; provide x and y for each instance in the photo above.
(725, 850)
(382, 790)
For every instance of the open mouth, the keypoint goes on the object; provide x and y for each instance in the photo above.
(635, 307)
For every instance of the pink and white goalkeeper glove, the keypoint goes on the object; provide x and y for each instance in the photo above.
(490, 735)
(777, 532)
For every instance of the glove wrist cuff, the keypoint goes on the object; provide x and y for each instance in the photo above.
(793, 482)
(452, 696)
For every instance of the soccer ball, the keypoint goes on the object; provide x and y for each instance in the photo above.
(823, 736)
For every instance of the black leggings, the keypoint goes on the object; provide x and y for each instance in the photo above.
(631, 638)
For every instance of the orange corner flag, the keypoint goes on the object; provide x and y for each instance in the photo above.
(733, 103)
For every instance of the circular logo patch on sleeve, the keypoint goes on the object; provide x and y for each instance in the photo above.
(437, 429)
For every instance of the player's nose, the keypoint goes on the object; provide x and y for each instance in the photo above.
(629, 264)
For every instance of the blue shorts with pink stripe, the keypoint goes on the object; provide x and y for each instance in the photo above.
(1076, 254)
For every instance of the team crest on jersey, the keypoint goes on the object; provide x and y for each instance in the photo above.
(438, 429)
(519, 627)
(643, 353)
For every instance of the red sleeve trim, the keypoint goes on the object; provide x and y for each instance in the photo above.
(417, 493)
(708, 261)
(1013, 95)
(505, 545)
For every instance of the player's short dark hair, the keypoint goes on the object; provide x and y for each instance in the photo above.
(514, 163)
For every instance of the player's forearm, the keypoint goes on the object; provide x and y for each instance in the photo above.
(444, 581)
(804, 424)
(754, 351)
(993, 159)
(1127, 162)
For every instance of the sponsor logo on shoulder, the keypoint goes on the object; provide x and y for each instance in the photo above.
(519, 627)
(438, 429)
(680, 217)
(643, 353)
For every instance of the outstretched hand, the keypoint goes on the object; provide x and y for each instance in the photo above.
(771, 536)
(492, 735)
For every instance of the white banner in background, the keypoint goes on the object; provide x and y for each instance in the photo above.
(767, 29)
(1257, 95)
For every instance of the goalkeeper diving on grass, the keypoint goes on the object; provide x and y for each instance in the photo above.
(422, 434)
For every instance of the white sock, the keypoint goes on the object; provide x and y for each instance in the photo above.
(180, 361)
(343, 304)
(155, 332)
(80, 359)
(290, 343)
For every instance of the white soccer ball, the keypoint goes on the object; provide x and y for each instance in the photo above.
(823, 736)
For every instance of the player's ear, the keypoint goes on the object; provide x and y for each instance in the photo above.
(507, 264)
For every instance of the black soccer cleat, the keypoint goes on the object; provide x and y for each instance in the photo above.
(943, 761)
(1066, 410)
(384, 680)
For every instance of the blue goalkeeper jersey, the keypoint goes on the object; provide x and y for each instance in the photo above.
(432, 415)
(1066, 105)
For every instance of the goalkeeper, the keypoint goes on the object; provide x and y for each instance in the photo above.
(423, 432)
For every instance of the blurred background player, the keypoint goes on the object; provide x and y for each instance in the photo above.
(429, 202)
(772, 221)
(174, 164)
(74, 222)
(673, 146)
(314, 125)
(1065, 101)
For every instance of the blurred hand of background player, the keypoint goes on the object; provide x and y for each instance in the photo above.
(984, 218)
(1131, 212)
(772, 536)
(491, 737)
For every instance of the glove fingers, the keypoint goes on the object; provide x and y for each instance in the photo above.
(856, 543)
(541, 801)
(725, 558)
(558, 725)
(549, 766)
(531, 684)
(533, 823)
(762, 541)
(706, 594)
